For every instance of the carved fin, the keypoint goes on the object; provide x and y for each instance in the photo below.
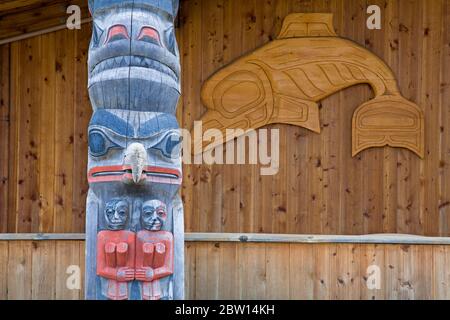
(298, 112)
(388, 121)
(213, 120)
(307, 25)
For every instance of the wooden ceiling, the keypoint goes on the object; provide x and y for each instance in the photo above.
(19, 17)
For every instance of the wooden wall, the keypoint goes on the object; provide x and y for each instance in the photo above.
(19, 17)
(37, 269)
(320, 188)
(45, 112)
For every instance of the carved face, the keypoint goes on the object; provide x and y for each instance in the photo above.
(116, 214)
(134, 147)
(154, 214)
(133, 57)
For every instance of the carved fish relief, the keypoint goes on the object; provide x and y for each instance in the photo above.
(283, 81)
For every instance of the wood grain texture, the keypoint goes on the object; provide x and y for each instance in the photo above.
(44, 123)
(4, 257)
(19, 17)
(37, 270)
(4, 135)
(320, 189)
(19, 274)
(43, 259)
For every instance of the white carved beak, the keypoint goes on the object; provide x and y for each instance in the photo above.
(136, 158)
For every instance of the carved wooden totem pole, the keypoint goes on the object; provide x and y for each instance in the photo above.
(134, 224)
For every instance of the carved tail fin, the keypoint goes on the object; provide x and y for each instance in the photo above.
(388, 120)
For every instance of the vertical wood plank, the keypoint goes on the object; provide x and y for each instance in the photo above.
(4, 258)
(13, 138)
(372, 256)
(252, 284)
(323, 255)
(440, 273)
(392, 277)
(190, 270)
(82, 268)
(201, 271)
(231, 188)
(43, 270)
(408, 167)
(47, 135)
(346, 271)
(82, 114)
(353, 168)
(28, 137)
(422, 272)
(213, 270)
(251, 184)
(19, 270)
(278, 271)
(5, 161)
(430, 101)
(67, 254)
(228, 275)
(301, 272)
(64, 138)
(406, 275)
(444, 190)
(191, 50)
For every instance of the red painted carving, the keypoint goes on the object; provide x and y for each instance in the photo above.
(154, 260)
(115, 261)
(122, 173)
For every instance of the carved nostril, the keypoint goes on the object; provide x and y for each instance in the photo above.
(149, 34)
(117, 32)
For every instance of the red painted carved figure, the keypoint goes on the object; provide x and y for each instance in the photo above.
(154, 250)
(116, 251)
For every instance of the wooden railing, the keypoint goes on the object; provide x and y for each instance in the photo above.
(250, 266)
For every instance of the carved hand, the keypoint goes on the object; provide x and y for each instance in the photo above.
(125, 274)
(144, 274)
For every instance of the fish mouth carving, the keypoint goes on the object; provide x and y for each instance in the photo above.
(124, 174)
(133, 75)
(131, 54)
(133, 61)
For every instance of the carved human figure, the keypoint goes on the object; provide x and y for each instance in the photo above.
(154, 254)
(116, 251)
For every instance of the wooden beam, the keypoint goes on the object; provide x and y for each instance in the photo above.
(41, 236)
(39, 32)
(258, 238)
(22, 18)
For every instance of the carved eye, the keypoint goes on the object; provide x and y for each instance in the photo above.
(169, 40)
(99, 144)
(149, 34)
(148, 213)
(117, 32)
(96, 34)
(161, 213)
(172, 146)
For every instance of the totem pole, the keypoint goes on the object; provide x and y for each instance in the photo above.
(134, 215)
